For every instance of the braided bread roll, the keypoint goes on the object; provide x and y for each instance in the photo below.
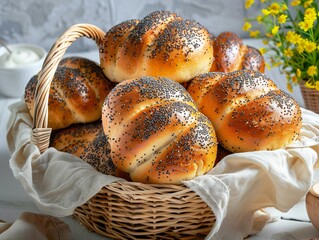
(161, 44)
(156, 133)
(247, 109)
(77, 93)
(86, 141)
(230, 54)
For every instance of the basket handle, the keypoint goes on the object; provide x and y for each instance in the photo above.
(40, 135)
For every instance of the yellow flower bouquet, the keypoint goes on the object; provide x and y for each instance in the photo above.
(291, 38)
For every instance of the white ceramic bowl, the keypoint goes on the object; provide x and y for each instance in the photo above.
(14, 78)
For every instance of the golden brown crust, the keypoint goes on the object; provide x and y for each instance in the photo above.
(156, 133)
(161, 44)
(230, 54)
(86, 141)
(75, 138)
(253, 60)
(76, 95)
(247, 110)
(112, 43)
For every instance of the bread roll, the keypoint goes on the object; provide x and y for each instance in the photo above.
(77, 92)
(156, 133)
(161, 44)
(86, 141)
(247, 109)
(230, 54)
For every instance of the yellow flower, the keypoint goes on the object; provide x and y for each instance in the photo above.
(305, 25)
(259, 19)
(312, 71)
(310, 14)
(295, 3)
(288, 52)
(247, 26)
(294, 79)
(248, 3)
(284, 7)
(254, 34)
(262, 51)
(274, 30)
(293, 37)
(278, 44)
(309, 19)
(298, 72)
(289, 87)
(309, 46)
(282, 18)
(290, 31)
(307, 3)
(300, 49)
(265, 12)
(274, 8)
(309, 84)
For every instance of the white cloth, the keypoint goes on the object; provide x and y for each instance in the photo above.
(35, 226)
(239, 186)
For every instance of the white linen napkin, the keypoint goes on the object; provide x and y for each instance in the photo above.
(236, 189)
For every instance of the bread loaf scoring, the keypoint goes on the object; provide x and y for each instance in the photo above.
(161, 44)
(230, 54)
(76, 95)
(247, 110)
(86, 141)
(156, 133)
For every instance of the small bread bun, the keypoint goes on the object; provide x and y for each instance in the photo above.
(77, 92)
(86, 141)
(156, 133)
(230, 54)
(161, 44)
(247, 109)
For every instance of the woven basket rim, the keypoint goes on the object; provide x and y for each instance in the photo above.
(40, 135)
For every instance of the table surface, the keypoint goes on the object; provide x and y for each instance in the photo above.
(291, 225)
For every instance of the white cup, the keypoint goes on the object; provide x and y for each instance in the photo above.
(15, 75)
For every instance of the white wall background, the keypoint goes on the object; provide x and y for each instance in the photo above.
(42, 21)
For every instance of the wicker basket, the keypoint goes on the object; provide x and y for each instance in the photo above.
(123, 210)
(310, 97)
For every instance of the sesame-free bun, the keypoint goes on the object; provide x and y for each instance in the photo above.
(156, 133)
(247, 109)
(160, 44)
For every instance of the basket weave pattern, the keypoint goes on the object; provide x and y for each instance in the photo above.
(139, 211)
(123, 210)
(310, 97)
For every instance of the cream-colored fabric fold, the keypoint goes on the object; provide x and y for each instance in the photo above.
(57, 182)
(35, 226)
(239, 186)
